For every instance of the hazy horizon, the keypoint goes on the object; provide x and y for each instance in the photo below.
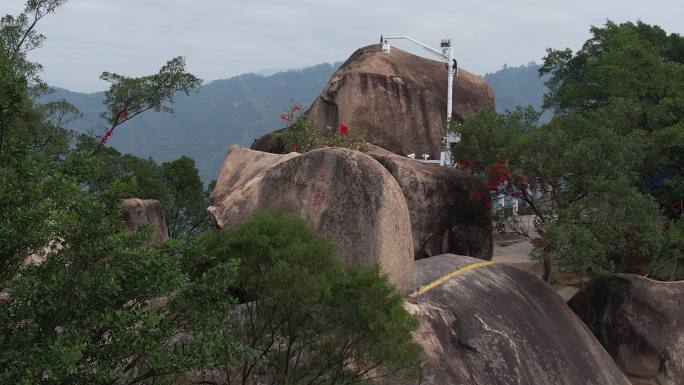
(223, 39)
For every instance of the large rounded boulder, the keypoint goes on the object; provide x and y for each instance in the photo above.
(345, 194)
(491, 324)
(396, 101)
(639, 321)
(443, 218)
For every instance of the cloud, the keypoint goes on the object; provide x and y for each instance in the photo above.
(222, 38)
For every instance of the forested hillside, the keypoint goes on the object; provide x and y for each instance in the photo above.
(222, 112)
(517, 86)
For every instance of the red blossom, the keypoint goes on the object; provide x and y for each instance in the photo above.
(540, 244)
(474, 195)
(107, 135)
(676, 207)
(287, 116)
(296, 148)
(467, 164)
(344, 130)
(480, 196)
(498, 176)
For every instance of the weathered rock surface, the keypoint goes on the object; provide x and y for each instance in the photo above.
(443, 219)
(497, 325)
(146, 211)
(639, 321)
(396, 101)
(241, 166)
(345, 194)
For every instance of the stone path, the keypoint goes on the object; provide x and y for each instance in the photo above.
(514, 250)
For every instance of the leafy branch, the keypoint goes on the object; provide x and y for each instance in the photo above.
(129, 97)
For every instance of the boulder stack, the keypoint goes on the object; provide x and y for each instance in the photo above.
(398, 102)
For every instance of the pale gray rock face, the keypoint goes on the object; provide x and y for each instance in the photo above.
(443, 218)
(396, 101)
(241, 166)
(497, 325)
(345, 194)
(639, 321)
(146, 211)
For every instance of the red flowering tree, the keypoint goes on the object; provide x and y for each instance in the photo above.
(129, 97)
(571, 180)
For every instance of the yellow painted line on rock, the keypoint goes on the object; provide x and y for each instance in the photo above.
(447, 277)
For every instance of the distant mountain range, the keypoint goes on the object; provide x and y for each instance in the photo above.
(517, 86)
(242, 108)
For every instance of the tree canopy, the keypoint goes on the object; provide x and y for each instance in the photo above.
(599, 176)
(129, 97)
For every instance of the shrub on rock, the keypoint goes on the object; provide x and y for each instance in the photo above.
(304, 316)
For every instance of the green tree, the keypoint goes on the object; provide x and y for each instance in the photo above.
(12, 96)
(18, 37)
(587, 216)
(309, 319)
(185, 207)
(82, 302)
(128, 97)
(175, 184)
(629, 77)
(596, 175)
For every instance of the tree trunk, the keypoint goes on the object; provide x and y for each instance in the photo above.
(547, 269)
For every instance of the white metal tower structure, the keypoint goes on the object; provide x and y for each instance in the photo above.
(447, 54)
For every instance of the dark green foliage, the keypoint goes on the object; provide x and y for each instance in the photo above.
(630, 77)
(176, 184)
(493, 132)
(311, 320)
(632, 67)
(596, 175)
(18, 37)
(574, 177)
(185, 205)
(60, 112)
(12, 96)
(20, 79)
(87, 308)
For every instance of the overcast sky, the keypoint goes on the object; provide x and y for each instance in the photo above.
(223, 38)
